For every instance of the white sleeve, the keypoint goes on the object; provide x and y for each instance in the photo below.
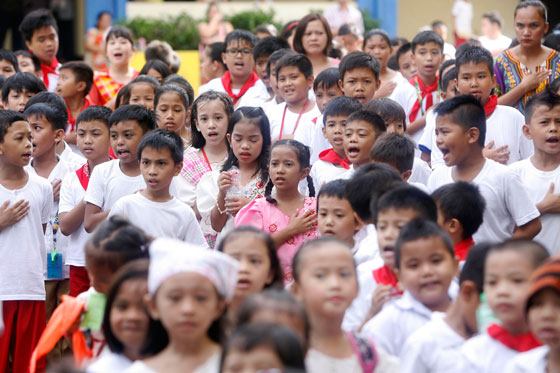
(66, 202)
(518, 203)
(96, 188)
(46, 209)
(356, 314)
(193, 233)
(412, 357)
(206, 198)
(184, 191)
(383, 330)
(118, 208)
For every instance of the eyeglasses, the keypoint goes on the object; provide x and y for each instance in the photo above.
(234, 52)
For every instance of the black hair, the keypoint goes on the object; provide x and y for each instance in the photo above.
(2, 81)
(159, 139)
(177, 90)
(275, 57)
(119, 32)
(34, 59)
(82, 73)
(463, 47)
(159, 50)
(465, 111)
(257, 117)
(302, 26)
(367, 184)
(10, 57)
(543, 10)
(94, 112)
(198, 140)
(356, 60)
(389, 110)
(298, 60)
(282, 340)
(473, 267)
(349, 29)
(533, 251)
(315, 244)
(157, 65)
(266, 46)
(395, 150)
(398, 40)
(392, 63)
(493, 17)
(268, 29)
(47, 97)
(548, 98)
(476, 55)
(215, 52)
(376, 122)
(288, 29)
(303, 154)
(417, 229)
(245, 230)
(461, 201)
(7, 118)
(552, 40)
(403, 49)
(181, 82)
(379, 32)
(122, 95)
(20, 81)
(240, 35)
(35, 20)
(99, 15)
(57, 118)
(335, 52)
(327, 78)
(443, 67)
(406, 197)
(436, 24)
(135, 270)
(335, 188)
(138, 113)
(554, 86)
(447, 78)
(425, 37)
(150, 80)
(341, 105)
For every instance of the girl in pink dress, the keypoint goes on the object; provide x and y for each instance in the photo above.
(287, 215)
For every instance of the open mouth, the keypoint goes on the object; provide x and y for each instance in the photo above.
(388, 249)
(117, 55)
(212, 135)
(279, 181)
(337, 141)
(243, 283)
(122, 152)
(360, 98)
(353, 152)
(553, 140)
(245, 155)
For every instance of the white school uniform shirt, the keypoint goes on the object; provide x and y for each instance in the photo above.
(59, 172)
(463, 12)
(311, 134)
(484, 354)
(322, 172)
(108, 184)
(504, 127)
(421, 172)
(495, 45)
(211, 365)
(368, 247)
(507, 201)
(71, 157)
(276, 113)
(427, 142)
(533, 361)
(255, 96)
(418, 134)
(21, 271)
(71, 194)
(537, 183)
(109, 362)
(257, 91)
(433, 348)
(318, 362)
(171, 219)
(404, 94)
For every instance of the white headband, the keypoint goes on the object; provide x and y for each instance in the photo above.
(169, 257)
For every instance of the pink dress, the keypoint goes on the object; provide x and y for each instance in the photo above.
(264, 215)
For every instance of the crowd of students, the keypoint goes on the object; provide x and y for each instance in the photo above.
(379, 212)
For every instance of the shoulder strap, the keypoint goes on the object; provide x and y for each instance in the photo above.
(365, 351)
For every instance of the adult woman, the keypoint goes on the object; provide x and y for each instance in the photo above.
(215, 29)
(313, 38)
(529, 67)
(95, 42)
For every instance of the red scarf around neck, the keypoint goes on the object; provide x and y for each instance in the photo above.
(226, 82)
(330, 156)
(426, 94)
(491, 105)
(462, 248)
(385, 276)
(71, 119)
(49, 69)
(83, 175)
(519, 342)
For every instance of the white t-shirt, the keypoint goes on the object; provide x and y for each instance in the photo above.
(484, 354)
(404, 94)
(495, 46)
(504, 127)
(108, 184)
(533, 361)
(463, 13)
(421, 172)
(336, 17)
(171, 219)
(276, 113)
(537, 183)
(71, 194)
(310, 133)
(71, 157)
(212, 365)
(436, 100)
(109, 362)
(257, 92)
(433, 348)
(507, 200)
(21, 271)
(427, 141)
(322, 172)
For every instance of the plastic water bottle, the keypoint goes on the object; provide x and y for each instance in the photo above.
(234, 190)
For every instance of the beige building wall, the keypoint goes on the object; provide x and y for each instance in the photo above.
(414, 14)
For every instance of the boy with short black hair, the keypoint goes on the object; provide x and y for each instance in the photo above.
(405, 62)
(8, 63)
(28, 63)
(395, 150)
(361, 130)
(271, 75)
(460, 211)
(122, 176)
(18, 89)
(461, 128)
(40, 33)
(359, 76)
(26, 206)
(540, 173)
(349, 38)
(263, 49)
(392, 113)
(154, 209)
(93, 140)
(332, 162)
(294, 76)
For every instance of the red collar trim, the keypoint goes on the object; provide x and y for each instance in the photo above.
(423, 92)
(49, 69)
(385, 276)
(83, 175)
(491, 105)
(226, 82)
(330, 156)
(519, 342)
(71, 119)
(462, 248)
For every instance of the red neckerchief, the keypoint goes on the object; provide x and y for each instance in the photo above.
(330, 156)
(49, 69)
(71, 119)
(462, 248)
(385, 276)
(491, 105)
(425, 93)
(314, 120)
(83, 175)
(226, 82)
(519, 342)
